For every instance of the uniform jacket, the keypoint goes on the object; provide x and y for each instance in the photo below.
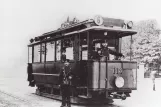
(65, 76)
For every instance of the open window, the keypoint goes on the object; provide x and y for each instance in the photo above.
(58, 50)
(100, 39)
(43, 52)
(29, 54)
(37, 53)
(67, 48)
(50, 51)
(83, 46)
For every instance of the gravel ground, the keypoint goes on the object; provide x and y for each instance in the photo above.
(14, 92)
(7, 100)
(144, 96)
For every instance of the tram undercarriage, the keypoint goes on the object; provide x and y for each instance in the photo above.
(82, 96)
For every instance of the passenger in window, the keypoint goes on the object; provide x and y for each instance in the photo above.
(113, 52)
(63, 56)
(100, 52)
(95, 55)
(106, 51)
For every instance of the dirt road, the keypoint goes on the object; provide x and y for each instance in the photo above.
(14, 92)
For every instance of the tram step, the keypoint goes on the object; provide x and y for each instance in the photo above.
(83, 96)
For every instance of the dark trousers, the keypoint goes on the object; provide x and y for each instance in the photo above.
(153, 84)
(65, 90)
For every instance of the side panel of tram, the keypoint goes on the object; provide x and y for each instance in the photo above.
(102, 75)
(48, 73)
(98, 75)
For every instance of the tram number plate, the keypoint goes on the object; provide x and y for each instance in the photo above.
(117, 70)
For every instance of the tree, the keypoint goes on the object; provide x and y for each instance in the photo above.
(146, 44)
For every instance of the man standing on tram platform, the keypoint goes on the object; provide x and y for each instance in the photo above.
(105, 52)
(65, 82)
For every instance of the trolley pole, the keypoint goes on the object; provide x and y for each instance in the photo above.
(130, 47)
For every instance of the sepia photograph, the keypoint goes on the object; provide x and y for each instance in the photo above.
(80, 53)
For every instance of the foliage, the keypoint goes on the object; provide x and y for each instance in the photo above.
(146, 44)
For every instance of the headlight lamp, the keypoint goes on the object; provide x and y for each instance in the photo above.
(119, 82)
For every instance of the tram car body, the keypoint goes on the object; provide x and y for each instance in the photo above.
(97, 80)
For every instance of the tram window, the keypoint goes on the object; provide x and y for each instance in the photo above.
(42, 52)
(84, 52)
(83, 46)
(112, 57)
(67, 48)
(50, 51)
(98, 41)
(58, 50)
(37, 53)
(125, 47)
(30, 55)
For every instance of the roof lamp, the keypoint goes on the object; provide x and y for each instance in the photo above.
(129, 24)
(31, 40)
(98, 20)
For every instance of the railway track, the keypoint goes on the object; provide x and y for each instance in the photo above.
(77, 100)
(18, 100)
(16, 97)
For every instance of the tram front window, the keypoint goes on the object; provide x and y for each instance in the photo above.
(105, 47)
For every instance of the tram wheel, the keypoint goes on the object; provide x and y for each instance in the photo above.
(38, 92)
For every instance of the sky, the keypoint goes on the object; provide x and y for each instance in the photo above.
(22, 19)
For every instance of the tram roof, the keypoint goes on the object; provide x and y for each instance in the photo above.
(125, 31)
(117, 29)
(69, 27)
(83, 26)
(95, 27)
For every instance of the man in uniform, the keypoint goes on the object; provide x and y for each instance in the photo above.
(153, 73)
(65, 82)
(105, 52)
(63, 56)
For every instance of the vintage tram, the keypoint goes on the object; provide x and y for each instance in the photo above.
(100, 77)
